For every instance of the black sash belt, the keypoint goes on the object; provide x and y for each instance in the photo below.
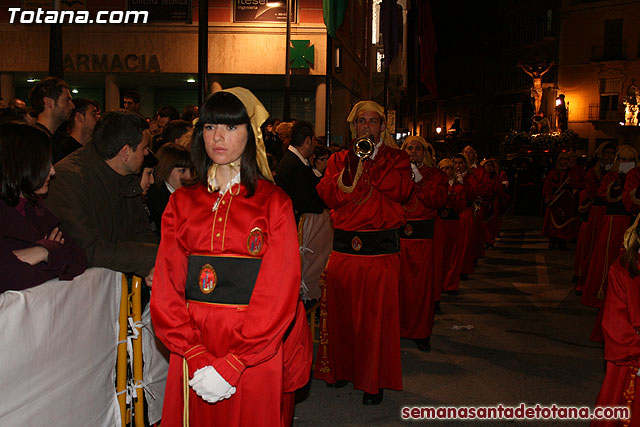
(616, 209)
(449, 214)
(221, 280)
(422, 229)
(367, 242)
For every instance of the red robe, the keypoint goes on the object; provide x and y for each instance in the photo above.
(620, 325)
(607, 246)
(421, 262)
(491, 210)
(450, 238)
(244, 343)
(483, 189)
(471, 220)
(587, 238)
(360, 336)
(555, 179)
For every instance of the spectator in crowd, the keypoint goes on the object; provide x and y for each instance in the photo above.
(163, 117)
(320, 158)
(294, 173)
(97, 196)
(190, 113)
(295, 176)
(283, 130)
(17, 103)
(146, 181)
(172, 133)
(172, 172)
(33, 248)
(131, 101)
(84, 117)
(230, 345)
(51, 102)
(272, 142)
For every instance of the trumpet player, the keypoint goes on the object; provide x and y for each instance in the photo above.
(365, 186)
(421, 262)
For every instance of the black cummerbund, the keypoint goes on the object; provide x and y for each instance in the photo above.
(449, 214)
(367, 242)
(422, 229)
(220, 279)
(616, 209)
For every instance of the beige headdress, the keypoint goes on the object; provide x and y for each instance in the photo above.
(257, 116)
(365, 107)
(427, 149)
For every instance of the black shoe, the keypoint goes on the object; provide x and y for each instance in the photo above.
(372, 399)
(578, 293)
(338, 384)
(452, 292)
(464, 276)
(423, 344)
(437, 310)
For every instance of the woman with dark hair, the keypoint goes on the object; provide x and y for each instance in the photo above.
(227, 279)
(172, 172)
(33, 249)
(620, 326)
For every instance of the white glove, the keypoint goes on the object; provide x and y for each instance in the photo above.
(417, 176)
(209, 385)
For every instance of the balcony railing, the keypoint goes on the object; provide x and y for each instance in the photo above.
(596, 114)
(611, 52)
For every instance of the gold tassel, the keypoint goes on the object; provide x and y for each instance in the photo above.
(630, 394)
(185, 391)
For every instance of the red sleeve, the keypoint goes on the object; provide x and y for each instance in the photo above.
(620, 316)
(630, 195)
(592, 182)
(604, 191)
(472, 187)
(457, 199)
(550, 184)
(331, 189)
(171, 318)
(391, 175)
(577, 175)
(433, 187)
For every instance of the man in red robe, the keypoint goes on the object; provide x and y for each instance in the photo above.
(360, 337)
(421, 261)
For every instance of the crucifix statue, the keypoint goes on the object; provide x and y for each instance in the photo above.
(536, 77)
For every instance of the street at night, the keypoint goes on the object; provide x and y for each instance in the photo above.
(529, 343)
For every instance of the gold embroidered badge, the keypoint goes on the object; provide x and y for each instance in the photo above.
(208, 279)
(255, 241)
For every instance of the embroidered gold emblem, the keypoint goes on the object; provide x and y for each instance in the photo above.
(408, 230)
(255, 241)
(356, 243)
(208, 279)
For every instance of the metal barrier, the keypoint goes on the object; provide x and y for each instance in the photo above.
(129, 362)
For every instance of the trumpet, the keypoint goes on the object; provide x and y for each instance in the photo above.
(364, 147)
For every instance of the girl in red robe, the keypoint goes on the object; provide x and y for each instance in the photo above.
(420, 261)
(227, 280)
(620, 325)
